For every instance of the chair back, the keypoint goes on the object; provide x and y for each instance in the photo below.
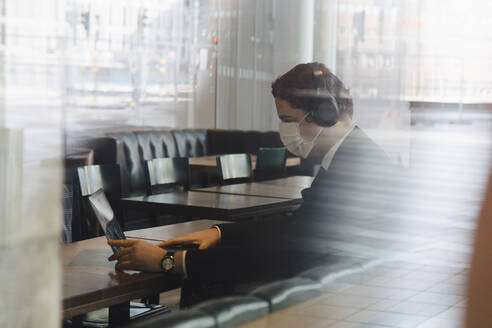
(67, 192)
(234, 168)
(167, 174)
(91, 178)
(270, 163)
(271, 159)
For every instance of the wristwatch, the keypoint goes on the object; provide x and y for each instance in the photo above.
(167, 263)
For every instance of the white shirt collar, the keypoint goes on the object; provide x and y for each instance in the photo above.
(331, 153)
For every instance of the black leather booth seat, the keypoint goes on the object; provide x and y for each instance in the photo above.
(234, 310)
(217, 313)
(347, 266)
(181, 319)
(283, 293)
(104, 148)
(104, 151)
(129, 148)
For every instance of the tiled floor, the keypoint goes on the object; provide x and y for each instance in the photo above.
(426, 244)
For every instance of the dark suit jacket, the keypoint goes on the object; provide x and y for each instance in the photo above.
(354, 186)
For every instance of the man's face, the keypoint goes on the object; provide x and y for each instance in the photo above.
(286, 113)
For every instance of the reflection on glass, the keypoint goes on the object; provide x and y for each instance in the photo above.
(102, 56)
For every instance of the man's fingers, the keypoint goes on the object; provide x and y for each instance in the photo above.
(178, 240)
(120, 253)
(123, 265)
(203, 246)
(122, 242)
(125, 258)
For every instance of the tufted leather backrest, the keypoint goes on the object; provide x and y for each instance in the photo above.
(224, 141)
(181, 143)
(156, 144)
(270, 139)
(131, 166)
(165, 140)
(197, 140)
(251, 141)
(145, 145)
(104, 148)
(191, 143)
(237, 141)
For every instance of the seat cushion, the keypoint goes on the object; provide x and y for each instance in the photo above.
(283, 293)
(326, 273)
(234, 310)
(181, 319)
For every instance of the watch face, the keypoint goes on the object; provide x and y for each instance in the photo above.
(167, 264)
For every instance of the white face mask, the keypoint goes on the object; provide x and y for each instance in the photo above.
(290, 134)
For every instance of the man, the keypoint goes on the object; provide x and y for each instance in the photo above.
(316, 111)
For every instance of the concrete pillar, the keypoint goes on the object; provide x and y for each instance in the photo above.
(294, 31)
(325, 33)
(293, 36)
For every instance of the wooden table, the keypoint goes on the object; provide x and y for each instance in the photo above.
(298, 180)
(75, 157)
(163, 233)
(211, 161)
(257, 189)
(90, 281)
(206, 205)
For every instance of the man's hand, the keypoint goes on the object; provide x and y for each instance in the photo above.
(203, 239)
(137, 255)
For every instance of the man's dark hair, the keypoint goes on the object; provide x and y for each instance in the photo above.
(296, 85)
